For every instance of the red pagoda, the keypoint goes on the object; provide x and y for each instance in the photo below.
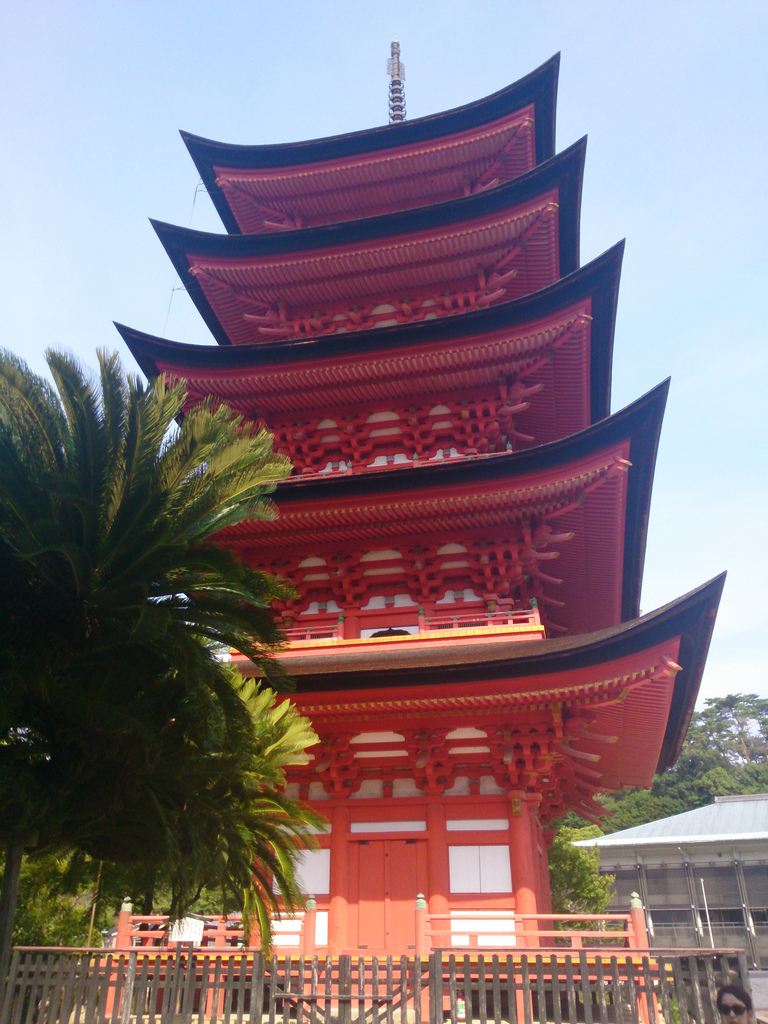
(465, 524)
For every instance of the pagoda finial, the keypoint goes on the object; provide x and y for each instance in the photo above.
(396, 71)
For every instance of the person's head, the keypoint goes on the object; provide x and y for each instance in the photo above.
(734, 1004)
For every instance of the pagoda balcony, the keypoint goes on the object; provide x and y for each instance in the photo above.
(454, 627)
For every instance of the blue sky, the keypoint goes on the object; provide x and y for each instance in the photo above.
(672, 96)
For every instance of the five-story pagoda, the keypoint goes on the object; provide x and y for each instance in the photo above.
(465, 524)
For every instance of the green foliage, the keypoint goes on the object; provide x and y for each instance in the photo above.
(123, 735)
(574, 873)
(46, 914)
(724, 753)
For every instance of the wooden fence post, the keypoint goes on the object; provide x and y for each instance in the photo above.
(435, 988)
(219, 940)
(127, 993)
(310, 926)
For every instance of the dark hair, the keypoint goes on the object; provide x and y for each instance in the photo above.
(734, 990)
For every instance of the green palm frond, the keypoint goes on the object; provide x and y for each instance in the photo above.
(126, 735)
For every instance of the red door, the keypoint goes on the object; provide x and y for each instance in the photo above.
(390, 873)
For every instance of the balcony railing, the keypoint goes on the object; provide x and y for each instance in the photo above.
(524, 624)
(459, 930)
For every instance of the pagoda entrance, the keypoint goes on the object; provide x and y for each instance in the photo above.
(385, 877)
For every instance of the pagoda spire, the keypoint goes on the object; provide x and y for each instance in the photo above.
(396, 71)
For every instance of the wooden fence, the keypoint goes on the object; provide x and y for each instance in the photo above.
(183, 985)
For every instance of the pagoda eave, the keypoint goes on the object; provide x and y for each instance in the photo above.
(538, 89)
(327, 271)
(593, 486)
(650, 667)
(690, 617)
(271, 377)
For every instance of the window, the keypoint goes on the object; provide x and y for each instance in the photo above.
(625, 883)
(668, 887)
(673, 928)
(756, 878)
(720, 884)
(313, 871)
(480, 869)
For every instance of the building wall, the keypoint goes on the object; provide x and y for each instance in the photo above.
(462, 850)
(730, 909)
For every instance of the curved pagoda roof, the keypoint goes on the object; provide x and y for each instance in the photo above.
(625, 694)
(595, 486)
(402, 267)
(393, 167)
(559, 339)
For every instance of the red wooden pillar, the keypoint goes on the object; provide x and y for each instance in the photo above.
(438, 871)
(337, 913)
(525, 872)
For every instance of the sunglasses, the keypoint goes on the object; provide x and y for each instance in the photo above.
(732, 1010)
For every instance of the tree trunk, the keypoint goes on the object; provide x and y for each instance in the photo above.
(94, 901)
(147, 906)
(14, 851)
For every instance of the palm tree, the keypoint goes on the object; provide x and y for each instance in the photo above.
(123, 733)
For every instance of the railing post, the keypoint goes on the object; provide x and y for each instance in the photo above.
(422, 620)
(124, 928)
(744, 972)
(340, 627)
(310, 919)
(421, 925)
(637, 917)
(220, 938)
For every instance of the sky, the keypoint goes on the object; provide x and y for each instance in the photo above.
(671, 94)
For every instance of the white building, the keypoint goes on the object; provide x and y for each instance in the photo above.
(702, 875)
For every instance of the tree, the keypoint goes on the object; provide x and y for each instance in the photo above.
(574, 873)
(47, 912)
(123, 733)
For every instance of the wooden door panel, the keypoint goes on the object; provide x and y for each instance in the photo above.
(371, 895)
(388, 873)
(402, 888)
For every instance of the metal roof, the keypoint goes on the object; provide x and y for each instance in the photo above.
(729, 818)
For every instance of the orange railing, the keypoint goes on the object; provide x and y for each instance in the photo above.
(480, 620)
(526, 622)
(457, 929)
(479, 929)
(154, 931)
